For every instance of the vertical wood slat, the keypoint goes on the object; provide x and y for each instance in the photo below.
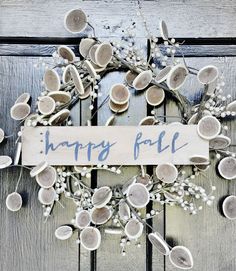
(209, 236)
(26, 242)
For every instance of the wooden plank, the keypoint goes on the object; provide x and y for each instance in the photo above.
(109, 254)
(31, 18)
(48, 49)
(26, 242)
(134, 145)
(209, 236)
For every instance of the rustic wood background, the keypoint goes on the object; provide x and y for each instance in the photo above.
(30, 29)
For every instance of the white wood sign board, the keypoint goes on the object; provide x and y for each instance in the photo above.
(112, 145)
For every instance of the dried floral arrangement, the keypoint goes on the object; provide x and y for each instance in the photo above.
(118, 209)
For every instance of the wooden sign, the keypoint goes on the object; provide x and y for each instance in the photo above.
(112, 145)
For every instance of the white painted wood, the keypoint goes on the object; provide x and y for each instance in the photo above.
(32, 18)
(112, 145)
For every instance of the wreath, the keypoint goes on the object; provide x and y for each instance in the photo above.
(118, 209)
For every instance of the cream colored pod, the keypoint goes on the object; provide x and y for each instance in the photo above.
(47, 177)
(138, 195)
(83, 219)
(167, 172)
(103, 54)
(38, 168)
(150, 120)
(155, 95)
(229, 207)
(227, 168)
(207, 74)
(231, 107)
(51, 80)
(163, 74)
(14, 202)
(59, 117)
(208, 127)
(23, 98)
(66, 53)
(181, 257)
(129, 77)
(46, 196)
(2, 135)
(5, 161)
(220, 142)
(75, 21)
(46, 105)
(124, 210)
(163, 30)
(85, 46)
(61, 97)
(101, 196)
(100, 216)
(159, 243)
(142, 80)
(177, 76)
(63, 232)
(20, 111)
(76, 79)
(133, 229)
(90, 238)
(119, 98)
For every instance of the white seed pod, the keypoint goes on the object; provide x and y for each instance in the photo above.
(85, 45)
(119, 94)
(231, 106)
(199, 159)
(229, 207)
(46, 196)
(66, 53)
(142, 80)
(162, 75)
(51, 80)
(129, 77)
(2, 135)
(83, 219)
(138, 195)
(150, 120)
(98, 68)
(103, 54)
(90, 238)
(192, 120)
(176, 77)
(207, 74)
(92, 52)
(59, 117)
(60, 96)
(66, 76)
(155, 95)
(47, 177)
(100, 216)
(127, 184)
(20, 111)
(76, 80)
(23, 98)
(124, 210)
(133, 229)
(14, 202)
(38, 168)
(167, 172)
(202, 167)
(87, 92)
(181, 257)
(172, 196)
(159, 243)
(208, 127)
(5, 161)
(118, 108)
(32, 118)
(90, 68)
(110, 121)
(101, 196)
(145, 180)
(63, 232)
(211, 87)
(163, 30)
(46, 105)
(75, 21)
(220, 142)
(227, 168)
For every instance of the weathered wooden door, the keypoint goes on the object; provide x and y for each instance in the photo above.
(30, 30)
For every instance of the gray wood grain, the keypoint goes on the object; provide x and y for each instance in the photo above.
(30, 18)
(209, 236)
(26, 242)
